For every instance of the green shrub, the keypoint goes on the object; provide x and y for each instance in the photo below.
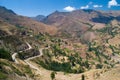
(52, 75)
(83, 77)
(5, 54)
(2, 76)
(99, 66)
(28, 71)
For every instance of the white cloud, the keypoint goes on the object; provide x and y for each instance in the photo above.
(113, 3)
(97, 6)
(84, 7)
(69, 8)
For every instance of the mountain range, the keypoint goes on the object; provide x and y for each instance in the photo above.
(80, 20)
(12, 18)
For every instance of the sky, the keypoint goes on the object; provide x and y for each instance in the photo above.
(45, 7)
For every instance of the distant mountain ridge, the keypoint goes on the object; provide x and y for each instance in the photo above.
(81, 20)
(88, 15)
(12, 18)
(4, 10)
(38, 18)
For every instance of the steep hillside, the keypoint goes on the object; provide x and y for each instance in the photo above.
(12, 71)
(81, 20)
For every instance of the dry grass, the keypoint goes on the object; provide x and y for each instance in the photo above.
(113, 74)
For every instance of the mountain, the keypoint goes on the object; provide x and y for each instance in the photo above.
(12, 18)
(38, 18)
(81, 20)
(83, 15)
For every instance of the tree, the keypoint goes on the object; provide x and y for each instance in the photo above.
(5, 54)
(83, 77)
(52, 75)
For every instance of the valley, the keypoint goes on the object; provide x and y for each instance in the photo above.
(78, 45)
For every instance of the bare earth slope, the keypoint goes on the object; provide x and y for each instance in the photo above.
(14, 19)
(81, 20)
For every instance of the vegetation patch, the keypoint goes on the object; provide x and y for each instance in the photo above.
(5, 54)
(2, 76)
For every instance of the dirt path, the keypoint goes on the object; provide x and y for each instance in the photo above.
(14, 58)
(27, 61)
(41, 53)
(37, 71)
(32, 65)
(15, 54)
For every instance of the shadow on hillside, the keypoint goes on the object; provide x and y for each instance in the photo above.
(105, 19)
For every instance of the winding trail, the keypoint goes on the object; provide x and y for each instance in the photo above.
(15, 54)
(33, 66)
(29, 46)
(14, 58)
(41, 53)
(28, 60)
